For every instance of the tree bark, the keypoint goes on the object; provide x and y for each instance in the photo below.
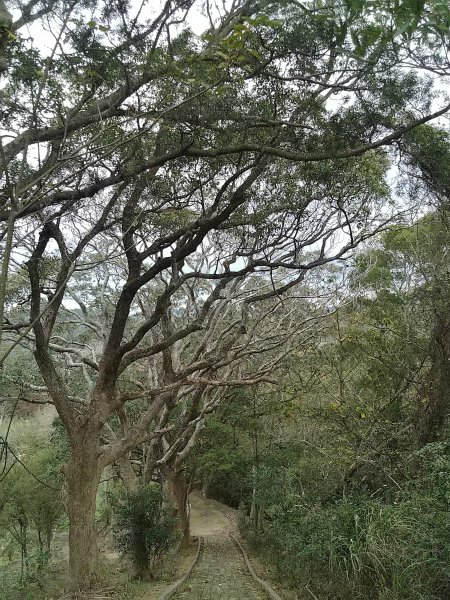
(83, 477)
(205, 487)
(254, 505)
(127, 474)
(178, 491)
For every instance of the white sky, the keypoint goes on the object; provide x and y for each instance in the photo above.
(44, 40)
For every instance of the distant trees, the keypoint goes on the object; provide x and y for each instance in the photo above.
(339, 487)
(428, 150)
(191, 182)
(30, 495)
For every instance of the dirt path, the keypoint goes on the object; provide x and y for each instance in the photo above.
(220, 573)
(209, 517)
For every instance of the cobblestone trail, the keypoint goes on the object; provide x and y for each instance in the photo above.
(220, 574)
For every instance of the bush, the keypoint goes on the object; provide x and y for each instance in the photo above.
(144, 527)
(368, 550)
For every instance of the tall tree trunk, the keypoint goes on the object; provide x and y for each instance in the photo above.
(253, 505)
(205, 487)
(83, 477)
(23, 536)
(254, 509)
(178, 491)
(42, 559)
(48, 538)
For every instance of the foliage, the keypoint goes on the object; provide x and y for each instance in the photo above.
(363, 549)
(346, 500)
(221, 464)
(428, 153)
(177, 186)
(30, 497)
(144, 527)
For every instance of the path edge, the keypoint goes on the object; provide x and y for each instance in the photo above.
(170, 591)
(266, 587)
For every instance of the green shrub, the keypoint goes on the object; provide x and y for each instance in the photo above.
(144, 527)
(369, 550)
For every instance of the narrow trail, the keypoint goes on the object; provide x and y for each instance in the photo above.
(220, 573)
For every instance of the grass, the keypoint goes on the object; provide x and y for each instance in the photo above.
(114, 581)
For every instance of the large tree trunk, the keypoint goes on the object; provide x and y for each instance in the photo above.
(178, 491)
(83, 476)
(127, 474)
(205, 487)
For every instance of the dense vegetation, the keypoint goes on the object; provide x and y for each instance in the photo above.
(342, 474)
(225, 265)
(144, 527)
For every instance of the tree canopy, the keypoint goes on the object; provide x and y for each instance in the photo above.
(172, 174)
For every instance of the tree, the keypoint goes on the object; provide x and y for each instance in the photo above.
(183, 165)
(344, 502)
(272, 332)
(428, 151)
(145, 527)
(30, 498)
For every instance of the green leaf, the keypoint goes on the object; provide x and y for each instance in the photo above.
(255, 53)
(359, 50)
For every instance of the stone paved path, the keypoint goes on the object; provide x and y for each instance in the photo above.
(220, 574)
